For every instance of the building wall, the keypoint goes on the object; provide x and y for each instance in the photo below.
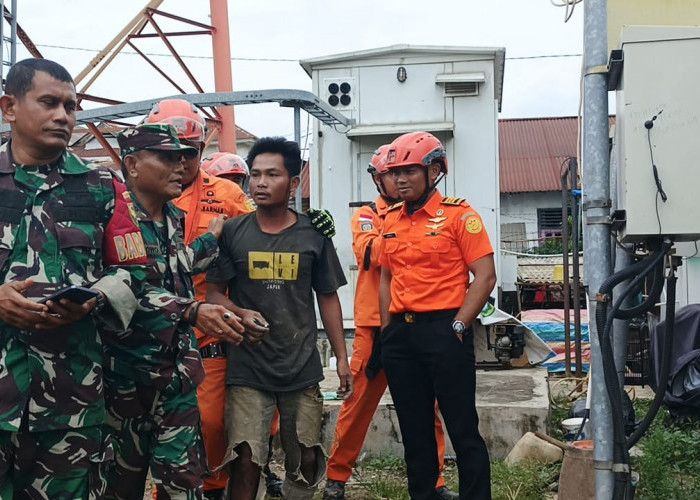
(522, 208)
(339, 163)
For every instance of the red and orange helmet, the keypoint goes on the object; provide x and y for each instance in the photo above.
(225, 164)
(181, 114)
(416, 148)
(377, 164)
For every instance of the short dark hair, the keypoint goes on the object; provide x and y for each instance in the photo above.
(20, 78)
(278, 145)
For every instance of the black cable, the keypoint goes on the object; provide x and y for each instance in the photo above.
(604, 323)
(665, 370)
(649, 124)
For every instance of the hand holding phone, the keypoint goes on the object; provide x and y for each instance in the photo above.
(77, 294)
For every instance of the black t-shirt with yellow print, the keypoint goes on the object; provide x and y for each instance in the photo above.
(276, 274)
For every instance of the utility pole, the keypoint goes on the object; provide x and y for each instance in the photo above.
(596, 203)
(223, 80)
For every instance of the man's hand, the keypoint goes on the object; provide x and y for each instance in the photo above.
(217, 225)
(255, 326)
(346, 381)
(16, 309)
(218, 322)
(64, 312)
(322, 220)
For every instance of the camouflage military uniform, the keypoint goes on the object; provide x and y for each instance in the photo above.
(55, 228)
(153, 368)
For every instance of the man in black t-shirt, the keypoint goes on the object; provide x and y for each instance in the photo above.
(271, 261)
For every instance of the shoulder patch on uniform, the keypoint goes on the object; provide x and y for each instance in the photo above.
(473, 224)
(452, 201)
(395, 206)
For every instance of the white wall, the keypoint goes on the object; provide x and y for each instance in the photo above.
(522, 207)
(339, 163)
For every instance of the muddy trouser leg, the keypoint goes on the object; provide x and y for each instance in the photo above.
(248, 415)
(301, 413)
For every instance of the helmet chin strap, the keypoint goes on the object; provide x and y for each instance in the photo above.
(382, 192)
(413, 206)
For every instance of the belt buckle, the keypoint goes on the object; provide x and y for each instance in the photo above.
(409, 317)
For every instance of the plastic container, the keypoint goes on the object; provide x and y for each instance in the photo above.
(571, 427)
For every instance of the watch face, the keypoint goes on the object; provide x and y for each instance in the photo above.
(458, 327)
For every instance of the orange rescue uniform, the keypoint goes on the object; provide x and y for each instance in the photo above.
(357, 411)
(429, 253)
(205, 199)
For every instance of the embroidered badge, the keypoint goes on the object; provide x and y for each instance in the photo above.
(367, 226)
(437, 219)
(439, 212)
(435, 227)
(473, 225)
(130, 206)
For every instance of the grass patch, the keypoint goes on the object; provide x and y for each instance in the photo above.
(385, 478)
(670, 466)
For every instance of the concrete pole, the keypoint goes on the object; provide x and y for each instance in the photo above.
(223, 80)
(596, 202)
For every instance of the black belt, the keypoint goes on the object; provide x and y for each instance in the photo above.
(217, 350)
(422, 317)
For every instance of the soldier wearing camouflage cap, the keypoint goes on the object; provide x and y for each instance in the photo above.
(153, 368)
(63, 222)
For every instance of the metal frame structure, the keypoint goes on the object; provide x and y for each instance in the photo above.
(134, 30)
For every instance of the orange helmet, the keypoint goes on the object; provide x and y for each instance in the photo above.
(225, 163)
(377, 164)
(416, 148)
(181, 114)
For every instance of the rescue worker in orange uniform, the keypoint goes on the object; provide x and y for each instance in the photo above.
(370, 383)
(229, 166)
(204, 198)
(429, 247)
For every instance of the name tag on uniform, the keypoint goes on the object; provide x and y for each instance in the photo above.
(389, 235)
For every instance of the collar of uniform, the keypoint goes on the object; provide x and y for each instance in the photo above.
(68, 163)
(431, 206)
(381, 205)
(71, 164)
(170, 211)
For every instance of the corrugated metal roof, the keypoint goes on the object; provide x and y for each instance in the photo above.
(532, 151)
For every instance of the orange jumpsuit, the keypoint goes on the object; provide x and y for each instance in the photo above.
(203, 200)
(357, 411)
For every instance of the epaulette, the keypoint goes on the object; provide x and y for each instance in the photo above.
(395, 206)
(452, 201)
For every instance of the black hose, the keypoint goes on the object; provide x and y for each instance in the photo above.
(656, 287)
(665, 363)
(604, 324)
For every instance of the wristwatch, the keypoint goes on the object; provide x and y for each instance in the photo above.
(458, 327)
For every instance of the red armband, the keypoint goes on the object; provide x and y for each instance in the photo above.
(123, 243)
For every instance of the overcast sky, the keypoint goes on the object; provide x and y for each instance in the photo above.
(286, 31)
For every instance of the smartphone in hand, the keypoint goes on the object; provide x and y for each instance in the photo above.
(77, 294)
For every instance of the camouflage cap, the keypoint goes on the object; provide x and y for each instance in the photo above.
(153, 137)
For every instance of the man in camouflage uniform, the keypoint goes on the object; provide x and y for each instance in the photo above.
(62, 222)
(153, 368)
